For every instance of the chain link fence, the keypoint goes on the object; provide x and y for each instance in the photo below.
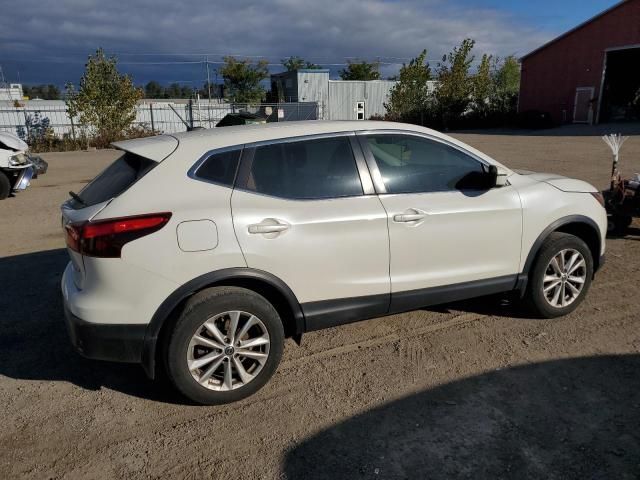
(158, 116)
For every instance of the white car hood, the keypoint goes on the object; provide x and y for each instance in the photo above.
(565, 184)
(12, 142)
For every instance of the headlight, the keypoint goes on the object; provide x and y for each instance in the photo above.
(17, 160)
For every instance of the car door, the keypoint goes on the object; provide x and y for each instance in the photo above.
(449, 239)
(306, 212)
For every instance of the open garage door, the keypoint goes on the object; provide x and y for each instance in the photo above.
(621, 87)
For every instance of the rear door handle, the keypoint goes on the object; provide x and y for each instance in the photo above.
(411, 215)
(268, 225)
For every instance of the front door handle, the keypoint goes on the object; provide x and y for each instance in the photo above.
(411, 215)
(268, 225)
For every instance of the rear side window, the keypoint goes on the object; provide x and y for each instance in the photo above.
(220, 168)
(114, 180)
(310, 169)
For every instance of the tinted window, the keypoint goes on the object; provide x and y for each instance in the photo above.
(411, 164)
(323, 168)
(220, 168)
(117, 177)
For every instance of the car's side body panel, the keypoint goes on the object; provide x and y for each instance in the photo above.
(462, 237)
(154, 266)
(544, 204)
(333, 248)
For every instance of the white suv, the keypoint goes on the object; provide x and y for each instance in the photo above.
(202, 251)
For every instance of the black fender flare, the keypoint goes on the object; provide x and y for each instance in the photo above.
(199, 283)
(535, 248)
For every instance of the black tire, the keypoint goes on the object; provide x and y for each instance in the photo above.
(203, 306)
(618, 224)
(5, 186)
(535, 298)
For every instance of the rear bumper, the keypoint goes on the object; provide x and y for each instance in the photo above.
(116, 343)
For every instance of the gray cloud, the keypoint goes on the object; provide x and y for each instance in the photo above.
(322, 31)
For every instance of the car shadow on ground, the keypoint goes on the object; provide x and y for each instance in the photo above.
(33, 338)
(499, 305)
(575, 418)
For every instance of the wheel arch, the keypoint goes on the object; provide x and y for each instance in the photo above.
(581, 226)
(269, 286)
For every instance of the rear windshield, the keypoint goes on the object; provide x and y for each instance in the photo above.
(117, 177)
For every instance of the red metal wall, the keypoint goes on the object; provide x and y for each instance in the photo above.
(550, 76)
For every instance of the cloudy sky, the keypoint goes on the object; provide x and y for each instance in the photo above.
(167, 40)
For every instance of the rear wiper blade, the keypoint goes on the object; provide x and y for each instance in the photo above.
(77, 198)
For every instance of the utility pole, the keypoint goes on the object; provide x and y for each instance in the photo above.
(208, 80)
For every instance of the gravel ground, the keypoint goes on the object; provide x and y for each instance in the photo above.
(467, 390)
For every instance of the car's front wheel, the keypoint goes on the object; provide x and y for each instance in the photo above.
(225, 345)
(561, 276)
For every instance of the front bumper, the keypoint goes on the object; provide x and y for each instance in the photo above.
(24, 179)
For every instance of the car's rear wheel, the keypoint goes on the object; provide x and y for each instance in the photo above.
(561, 276)
(225, 345)
(5, 186)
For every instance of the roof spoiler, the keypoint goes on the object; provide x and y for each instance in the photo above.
(154, 148)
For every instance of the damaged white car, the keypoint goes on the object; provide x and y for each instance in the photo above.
(16, 167)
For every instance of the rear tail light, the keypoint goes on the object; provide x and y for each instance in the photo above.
(105, 238)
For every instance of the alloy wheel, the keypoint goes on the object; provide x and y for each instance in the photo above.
(564, 278)
(228, 350)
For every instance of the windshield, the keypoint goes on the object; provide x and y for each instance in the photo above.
(115, 179)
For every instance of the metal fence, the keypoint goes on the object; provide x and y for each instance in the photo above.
(161, 117)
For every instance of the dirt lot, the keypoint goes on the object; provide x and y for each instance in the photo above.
(471, 390)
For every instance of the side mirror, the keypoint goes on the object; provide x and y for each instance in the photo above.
(487, 179)
(501, 178)
(492, 176)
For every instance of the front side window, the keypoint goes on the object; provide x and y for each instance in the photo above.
(309, 169)
(410, 164)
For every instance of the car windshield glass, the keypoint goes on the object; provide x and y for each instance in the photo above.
(114, 180)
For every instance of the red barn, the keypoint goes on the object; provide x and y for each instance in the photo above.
(590, 74)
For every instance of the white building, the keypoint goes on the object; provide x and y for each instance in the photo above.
(337, 99)
(11, 91)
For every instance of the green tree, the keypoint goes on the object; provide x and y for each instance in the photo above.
(482, 88)
(105, 100)
(410, 99)
(186, 91)
(454, 89)
(153, 90)
(298, 63)
(506, 81)
(361, 71)
(45, 92)
(173, 91)
(206, 87)
(242, 79)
